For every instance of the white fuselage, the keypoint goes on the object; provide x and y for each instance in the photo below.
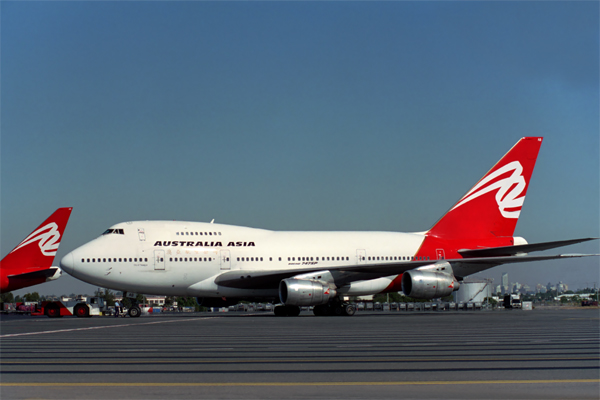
(182, 258)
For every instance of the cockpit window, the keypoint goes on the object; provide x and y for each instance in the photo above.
(114, 231)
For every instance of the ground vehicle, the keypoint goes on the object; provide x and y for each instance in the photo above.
(512, 301)
(80, 308)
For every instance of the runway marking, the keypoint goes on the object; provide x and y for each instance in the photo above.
(104, 327)
(232, 384)
(311, 361)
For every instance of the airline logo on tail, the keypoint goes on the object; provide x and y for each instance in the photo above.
(509, 189)
(48, 237)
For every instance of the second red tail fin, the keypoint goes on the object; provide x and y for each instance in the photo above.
(36, 252)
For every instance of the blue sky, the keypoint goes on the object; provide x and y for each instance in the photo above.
(296, 116)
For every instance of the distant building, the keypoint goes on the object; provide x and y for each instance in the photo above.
(562, 287)
(156, 300)
(505, 287)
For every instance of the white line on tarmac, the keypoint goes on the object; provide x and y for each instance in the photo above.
(103, 327)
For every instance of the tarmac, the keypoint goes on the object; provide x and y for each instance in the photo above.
(500, 354)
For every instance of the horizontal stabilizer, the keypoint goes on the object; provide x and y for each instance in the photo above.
(39, 274)
(519, 249)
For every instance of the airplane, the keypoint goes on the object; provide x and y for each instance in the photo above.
(30, 263)
(222, 264)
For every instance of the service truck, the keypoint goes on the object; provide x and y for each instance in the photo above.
(512, 301)
(80, 307)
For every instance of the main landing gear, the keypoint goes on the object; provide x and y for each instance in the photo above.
(334, 308)
(286, 311)
(134, 310)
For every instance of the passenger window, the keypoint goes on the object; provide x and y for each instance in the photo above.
(280, 259)
(210, 233)
(177, 233)
(270, 258)
(104, 260)
(171, 259)
(261, 259)
(187, 233)
(145, 259)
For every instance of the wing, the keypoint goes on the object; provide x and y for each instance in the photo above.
(269, 279)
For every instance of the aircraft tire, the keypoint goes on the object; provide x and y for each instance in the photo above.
(134, 312)
(320, 310)
(280, 311)
(338, 310)
(81, 311)
(349, 310)
(292, 311)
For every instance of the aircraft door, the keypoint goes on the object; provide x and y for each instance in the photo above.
(159, 259)
(141, 234)
(361, 256)
(225, 260)
(440, 254)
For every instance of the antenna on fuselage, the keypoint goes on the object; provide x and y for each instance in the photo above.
(212, 221)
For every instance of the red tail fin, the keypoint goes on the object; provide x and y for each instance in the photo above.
(491, 208)
(36, 252)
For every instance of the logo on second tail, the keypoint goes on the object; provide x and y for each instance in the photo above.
(48, 237)
(509, 189)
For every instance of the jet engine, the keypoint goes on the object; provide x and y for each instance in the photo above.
(428, 285)
(304, 292)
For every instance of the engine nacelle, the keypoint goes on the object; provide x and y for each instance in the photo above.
(428, 285)
(304, 292)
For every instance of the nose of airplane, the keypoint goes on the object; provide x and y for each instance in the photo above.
(68, 264)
